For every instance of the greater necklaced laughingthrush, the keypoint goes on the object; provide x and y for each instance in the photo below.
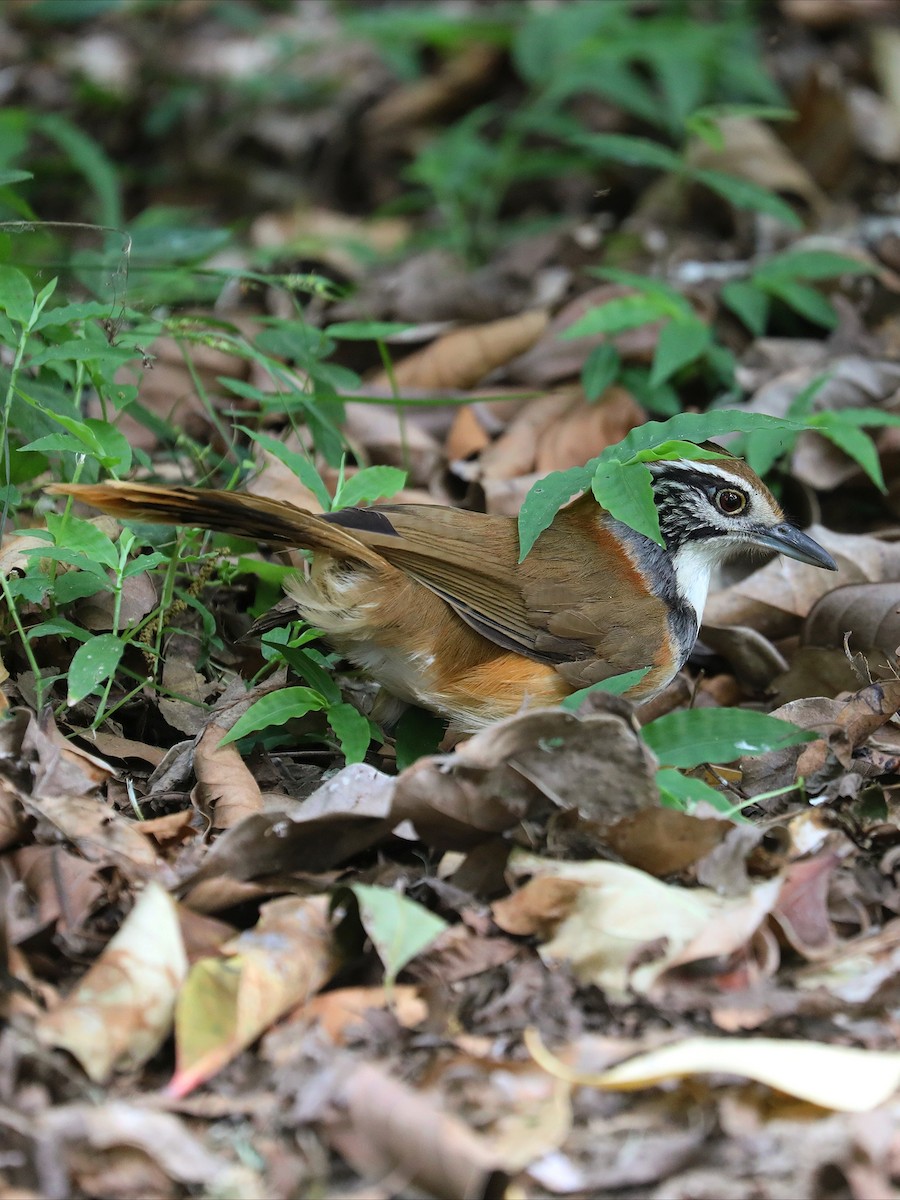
(433, 603)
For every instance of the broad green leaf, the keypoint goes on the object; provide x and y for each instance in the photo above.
(646, 285)
(16, 295)
(749, 303)
(681, 792)
(75, 558)
(75, 585)
(626, 312)
(810, 264)
(417, 733)
(762, 450)
(616, 685)
(93, 663)
(680, 343)
(66, 314)
(351, 729)
(804, 300)
(398, 927)
(718, 735)
(365, 331)
(662, 401)
(298, 463)
(673, 450)
(276, 709)
(854, 443)
(743, 194)
(601, 368)
(8, 177)
(697, 427)
(545, 499)
(371, 483)
(76, 535)
(303, 663)
(626, 492)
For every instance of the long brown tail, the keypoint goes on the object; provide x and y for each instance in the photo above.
(253, 517)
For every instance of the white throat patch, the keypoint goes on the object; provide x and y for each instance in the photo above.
(693, 564)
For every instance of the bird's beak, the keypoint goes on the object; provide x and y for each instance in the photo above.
(785, 539)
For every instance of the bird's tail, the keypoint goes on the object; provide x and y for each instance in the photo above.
(253, 517)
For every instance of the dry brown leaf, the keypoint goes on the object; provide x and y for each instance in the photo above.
(869, 612)
(467, 435)
(621, 929)
(13, 821)
(225, 785)
(445, 1158)
(434, 95)
(385, 435)
(329, 236)
(343, 1010)
(136, 599)
(227, 1002)
(821, 14)
(462, 358)
(752, 151)
(801, 910)
(121, 1011)
(185, 704)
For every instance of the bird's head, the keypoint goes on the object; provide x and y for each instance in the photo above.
(712, 509)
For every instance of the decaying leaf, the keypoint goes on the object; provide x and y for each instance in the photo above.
(225, 786)
(121, 1011)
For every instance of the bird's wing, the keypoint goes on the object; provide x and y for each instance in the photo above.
(468, 559)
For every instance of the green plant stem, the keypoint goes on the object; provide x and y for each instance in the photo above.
(388, 364)
(26, 644)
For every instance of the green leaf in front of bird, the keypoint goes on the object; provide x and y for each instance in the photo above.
(680, 343)
(616, 685)
(351, 729)
(276, 710)
(417, 733)
(626, 492)
(673, 450)
(544, 501)
(695, 736)
(683, 792)
(368, 484)
(400, 929)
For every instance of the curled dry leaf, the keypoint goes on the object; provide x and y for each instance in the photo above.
(839, 1077)
(225, 785)
(529, 766)
(227, 1002)
(445, 1158)
(121, 1011)
(620, 928)
(463, 357)
(869, 612)
(753, 151)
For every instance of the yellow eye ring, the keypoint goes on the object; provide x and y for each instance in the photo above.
(731, 502)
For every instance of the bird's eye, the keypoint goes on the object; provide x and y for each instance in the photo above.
(730, 501)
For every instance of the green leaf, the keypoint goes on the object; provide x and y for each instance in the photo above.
(601, 368)
(743, 194)
(626, 492)
(16, 296)
(683, 792)
(616, 685)
(299, 464)
(749, 303)
(417, 733)
(76, 535)
(854, 443)
(626, 312)
(635, 151)
(810, 264)
(804, 300)
(545, 499)
(399, 928)
(365, 331)
(697, 427)
(93, 663)
(351, 729)
(763, 450)
(674, 450)
(276, 709)
(371, 483)
(680, 343)
(718, 735)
